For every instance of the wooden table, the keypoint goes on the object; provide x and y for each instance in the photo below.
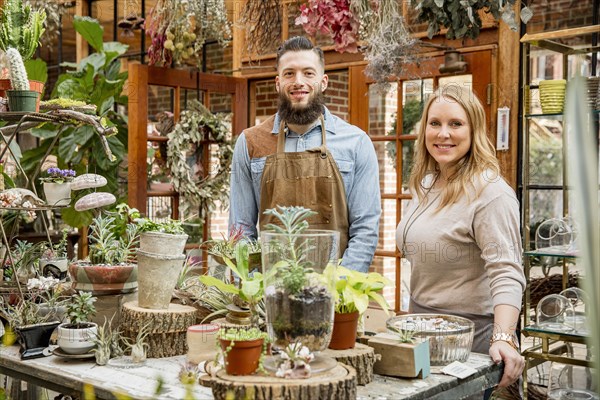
(68, 376)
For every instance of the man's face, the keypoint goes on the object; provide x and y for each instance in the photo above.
(300, 78)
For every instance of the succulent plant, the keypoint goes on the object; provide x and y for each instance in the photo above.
(18, 74)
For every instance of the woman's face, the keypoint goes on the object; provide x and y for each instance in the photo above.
(448, 134)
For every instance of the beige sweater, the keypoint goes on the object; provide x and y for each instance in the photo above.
(467, 256)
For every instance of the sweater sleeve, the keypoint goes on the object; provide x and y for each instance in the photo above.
(496, 229)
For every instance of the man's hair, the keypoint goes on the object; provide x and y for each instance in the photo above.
(299, 43)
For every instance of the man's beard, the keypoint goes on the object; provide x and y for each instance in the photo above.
(301, 115)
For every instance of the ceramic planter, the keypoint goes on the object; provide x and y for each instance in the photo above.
(344, 331)
(74, 340)
(104, 279)
(35, 338)
(22, 100)
(201, 341)
(57, 194)
(35, 86)
(54, 267)
(157, 278)
(243, 357)
(407, 360)
(162, 243)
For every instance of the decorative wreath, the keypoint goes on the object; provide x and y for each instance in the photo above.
(199, 127)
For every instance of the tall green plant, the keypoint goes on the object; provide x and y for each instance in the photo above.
(97, 80)
(21, 27)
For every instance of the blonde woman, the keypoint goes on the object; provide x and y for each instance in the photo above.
(461, 230)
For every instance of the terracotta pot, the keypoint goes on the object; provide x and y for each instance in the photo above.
(35, 338)
(104, 279)
(344, 331)
(243, 357)
(4, 86)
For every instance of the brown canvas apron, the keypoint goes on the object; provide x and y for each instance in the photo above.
(484, 324)
(310, 179)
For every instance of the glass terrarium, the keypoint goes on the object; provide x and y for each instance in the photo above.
(299, 286)
(578, 299)
(556, 313)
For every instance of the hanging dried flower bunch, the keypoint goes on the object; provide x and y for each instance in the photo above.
(390, 46)
(179, 28)
(333, 18)
(262, 22)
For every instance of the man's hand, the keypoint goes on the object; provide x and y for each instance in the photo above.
(513, 362)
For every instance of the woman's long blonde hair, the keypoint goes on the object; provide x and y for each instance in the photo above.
(480, 160)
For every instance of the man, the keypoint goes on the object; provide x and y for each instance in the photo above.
(305, 156)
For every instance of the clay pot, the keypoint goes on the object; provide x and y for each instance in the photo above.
(104, 279)
(157, 278)
(243, 357)
(162, 243)
(344, 331)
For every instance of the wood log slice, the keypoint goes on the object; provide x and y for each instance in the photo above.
(361, 358)
(168, 328)
(337, 383)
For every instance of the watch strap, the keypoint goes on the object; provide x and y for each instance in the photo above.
(505, 337)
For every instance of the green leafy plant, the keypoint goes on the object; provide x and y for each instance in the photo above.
(81, 308)
(139, 347)
(57, 250)
(21, 27)
(404, 335)
(172, 226)
(225, 247)
(98, 80)
(250, 288)
(355, 289)
(292, 268)
(108, 248)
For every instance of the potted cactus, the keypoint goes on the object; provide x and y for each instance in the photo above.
(21, 28)
(20, 98)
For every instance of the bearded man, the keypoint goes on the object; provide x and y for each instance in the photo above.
(306, 156)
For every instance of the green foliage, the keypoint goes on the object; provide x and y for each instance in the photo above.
(250, 289)
(404, 335)
(95, 80)
(172, 226)
(37, 70)
(107, 247)
(459, 16)
(355, 289)
(241, 334)
(81, 308)
(292, 269)
(21, 27)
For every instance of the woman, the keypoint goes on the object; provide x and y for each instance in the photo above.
(461, 230)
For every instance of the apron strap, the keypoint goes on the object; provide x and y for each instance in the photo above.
(281, 138)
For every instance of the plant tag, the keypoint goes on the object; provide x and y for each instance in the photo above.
(458, 370)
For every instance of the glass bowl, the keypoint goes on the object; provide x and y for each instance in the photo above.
(450, 337)
(556, 313)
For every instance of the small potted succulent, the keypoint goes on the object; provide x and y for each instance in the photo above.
(57, 186)
(220, 249)
(20, 98)
(354, 291)
(243, 349)
(53, 261)
(111, 267)
(77, 336)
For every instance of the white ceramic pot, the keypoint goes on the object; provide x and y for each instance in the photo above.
(54, 267)
(162, 243)
(77, 340)
(201, 341)
(57, 194)
(157, 277)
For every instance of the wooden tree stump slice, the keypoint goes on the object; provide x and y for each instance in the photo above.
(361, 358)
(337, 383)
(168, 328)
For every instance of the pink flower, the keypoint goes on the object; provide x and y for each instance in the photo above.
(332, 18)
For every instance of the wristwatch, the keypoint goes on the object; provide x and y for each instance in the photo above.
(505, 337)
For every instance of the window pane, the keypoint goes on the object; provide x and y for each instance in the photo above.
(382, 111)
(387, 225)
(387, 267)
(386, 155)
(545, 151)
(414, 94)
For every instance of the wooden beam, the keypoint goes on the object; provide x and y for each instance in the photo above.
(238, 39)
(563, 33)
(82, 8)
(357, 89)
(137, 86)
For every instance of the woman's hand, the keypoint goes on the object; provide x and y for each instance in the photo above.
(513, 362)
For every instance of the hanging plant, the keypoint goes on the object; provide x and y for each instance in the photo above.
(333, 18)
(262, 23)
(179, 28)
(198, 127)
(461, 17)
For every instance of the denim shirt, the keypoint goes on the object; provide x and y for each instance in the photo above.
(355, 156)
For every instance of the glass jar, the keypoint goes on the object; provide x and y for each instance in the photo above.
(299, 281)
